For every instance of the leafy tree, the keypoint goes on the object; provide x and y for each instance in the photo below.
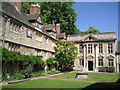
(56, 12)
(65, 54)
(92, 30)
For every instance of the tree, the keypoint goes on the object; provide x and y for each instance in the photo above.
(56, 12)
(92, 30)
(65, 53)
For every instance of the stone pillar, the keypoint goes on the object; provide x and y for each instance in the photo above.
(84, 57)
(95, 58)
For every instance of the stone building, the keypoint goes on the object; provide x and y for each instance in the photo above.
(118, 56)
(95, 50)
(25, 33)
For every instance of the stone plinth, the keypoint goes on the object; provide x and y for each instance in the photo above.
(81, 75)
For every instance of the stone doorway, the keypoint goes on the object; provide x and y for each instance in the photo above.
(90, 65)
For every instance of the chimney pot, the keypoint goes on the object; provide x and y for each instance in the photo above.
(34, 9)
(57, 29)
(17, 4)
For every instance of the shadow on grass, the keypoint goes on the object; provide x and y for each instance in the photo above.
(104, 85)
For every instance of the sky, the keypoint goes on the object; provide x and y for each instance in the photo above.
(101, 15)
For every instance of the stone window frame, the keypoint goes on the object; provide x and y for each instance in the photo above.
(100, 62)
(110, 47)
(13, 47)
(100, 48)
(90, 48)
(80, 48)
(81, 62)
(14, 27)
(38, 25)
(110, 62)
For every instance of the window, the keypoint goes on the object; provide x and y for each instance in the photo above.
(81, 62)
(17, 28)
(29, 34)
(110, 48)
(13, 47)
(37, 24)
(110, 62)
(100, 48)
(11, 26)
(14, 27)
(46, 40)
(100, 62)
(80, 49)
(89, 48)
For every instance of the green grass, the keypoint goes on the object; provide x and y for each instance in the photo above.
(53, 83)
(98, 77)
(66, 75)
(48, 83)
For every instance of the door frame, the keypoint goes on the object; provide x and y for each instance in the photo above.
(90, 68)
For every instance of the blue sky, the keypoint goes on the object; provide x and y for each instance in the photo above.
(101, 15)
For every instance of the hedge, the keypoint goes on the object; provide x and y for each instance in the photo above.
(107, 69)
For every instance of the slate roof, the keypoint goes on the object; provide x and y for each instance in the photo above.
(11, 11)
(48, 27)
(97, 36)
(62, 36)
(33, 16)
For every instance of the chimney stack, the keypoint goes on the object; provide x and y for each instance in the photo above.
(34, 9)
(17, 4)
(57, 27)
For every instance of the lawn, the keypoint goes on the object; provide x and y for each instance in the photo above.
(54, 83)
(49, 83)
(98, 77)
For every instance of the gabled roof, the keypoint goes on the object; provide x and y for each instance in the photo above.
(99, 37)
(12, 12)
(33, 16)
(92, 37)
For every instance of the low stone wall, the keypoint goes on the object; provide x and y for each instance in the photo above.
(81, 75)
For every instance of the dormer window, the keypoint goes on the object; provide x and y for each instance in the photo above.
(37, 24)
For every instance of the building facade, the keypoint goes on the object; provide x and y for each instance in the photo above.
(94, 51)
(26, 34)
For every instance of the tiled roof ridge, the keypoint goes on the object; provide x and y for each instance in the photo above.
(91, 33)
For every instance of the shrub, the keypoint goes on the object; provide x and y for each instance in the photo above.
(53, 72)
(26, 73)
(106, 69)
(17, 76)
(111, 69)
(22, 61)
(37, 74)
